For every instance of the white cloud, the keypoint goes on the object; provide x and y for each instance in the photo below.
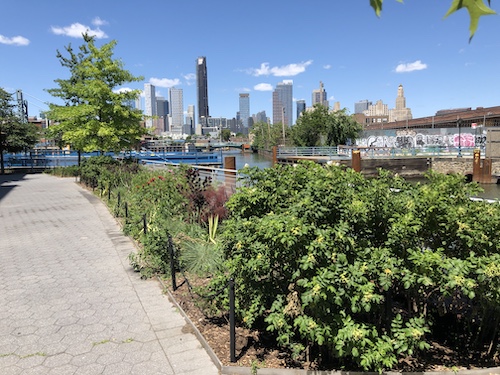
(76, 30)
(410, 67)
(263, 87)
(280, 71)
(15, 40)
(244, 89)
(122, 89)
(327, 66)
(331, 98)
(164, 82)
(190, 78)
(99, 22)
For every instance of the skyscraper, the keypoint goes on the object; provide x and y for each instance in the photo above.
(319, 96)
(283, 103)
(149, 104)
(301, 107)
(162, 113)
(176, 97)
(202, 87)
(400, 113)
(361, 106)
(244, 109)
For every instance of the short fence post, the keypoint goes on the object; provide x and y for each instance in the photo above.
(109, 192)
(232, 328)
(126, 210)
(172, 262)
(144, 224)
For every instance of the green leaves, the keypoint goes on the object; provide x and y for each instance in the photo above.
(95, 116)
(332, 261)
(476, 9)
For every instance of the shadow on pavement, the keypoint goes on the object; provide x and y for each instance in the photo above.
(8, 182)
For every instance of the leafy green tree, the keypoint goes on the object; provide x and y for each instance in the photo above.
(366, 271)
(95, 115)
(226, 135)
(266, 136)
(320, 127)
(15, 135)
(476, 9)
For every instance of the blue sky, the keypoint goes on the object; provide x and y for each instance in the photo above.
(250, 46)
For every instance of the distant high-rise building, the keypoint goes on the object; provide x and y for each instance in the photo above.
(400, 113)
(176, 110)
(244, 109)
(162, 113)
(149, 104)
(361, 106)
(260, 117)
(283, 103)
(319, 96)
(202, 87)
(301, 107)
(190, 122)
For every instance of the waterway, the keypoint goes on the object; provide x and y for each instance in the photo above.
(491, 191)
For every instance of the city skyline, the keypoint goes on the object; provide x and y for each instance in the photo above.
(409, 45)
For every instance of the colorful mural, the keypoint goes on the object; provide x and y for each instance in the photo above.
(423, 138)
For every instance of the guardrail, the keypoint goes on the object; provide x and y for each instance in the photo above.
(376, 152)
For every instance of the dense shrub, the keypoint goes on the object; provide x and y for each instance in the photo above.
(363, 270)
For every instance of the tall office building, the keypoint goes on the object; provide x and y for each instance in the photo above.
(361, 106)
(162, 113)
(176, 99)
(244, 109)
(260, 117)
(301, 107)
(283, 103)
(400, 113)
(319, 96)
(190, 122)
(202, 87)
(149, 104)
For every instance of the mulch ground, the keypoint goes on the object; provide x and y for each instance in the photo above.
(255, 348)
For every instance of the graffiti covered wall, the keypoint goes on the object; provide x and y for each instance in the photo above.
(422, 138)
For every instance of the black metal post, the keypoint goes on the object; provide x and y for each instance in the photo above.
(118, 198)
(172, 262)
(232, 328)
(109, 192)
(459, 124)
(144, 224)
(126, 210)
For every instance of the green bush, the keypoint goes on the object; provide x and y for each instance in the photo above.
(362, 270)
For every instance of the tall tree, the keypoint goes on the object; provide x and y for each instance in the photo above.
(320, 127)
(15, 135)
(95, 114)
(266, 136)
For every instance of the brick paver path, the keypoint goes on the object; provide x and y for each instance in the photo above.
(69, 301)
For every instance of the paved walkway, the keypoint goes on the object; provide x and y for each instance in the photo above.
(69, 301)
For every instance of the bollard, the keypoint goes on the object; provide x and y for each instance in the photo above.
(109, 192)
(172, 262)
(232, 328)
(144, 224)
(126, 210)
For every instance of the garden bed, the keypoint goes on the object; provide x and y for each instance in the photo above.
(255, 350)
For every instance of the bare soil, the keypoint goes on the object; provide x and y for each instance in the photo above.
(254, 348)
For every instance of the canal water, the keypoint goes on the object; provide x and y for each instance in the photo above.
(491, 191)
